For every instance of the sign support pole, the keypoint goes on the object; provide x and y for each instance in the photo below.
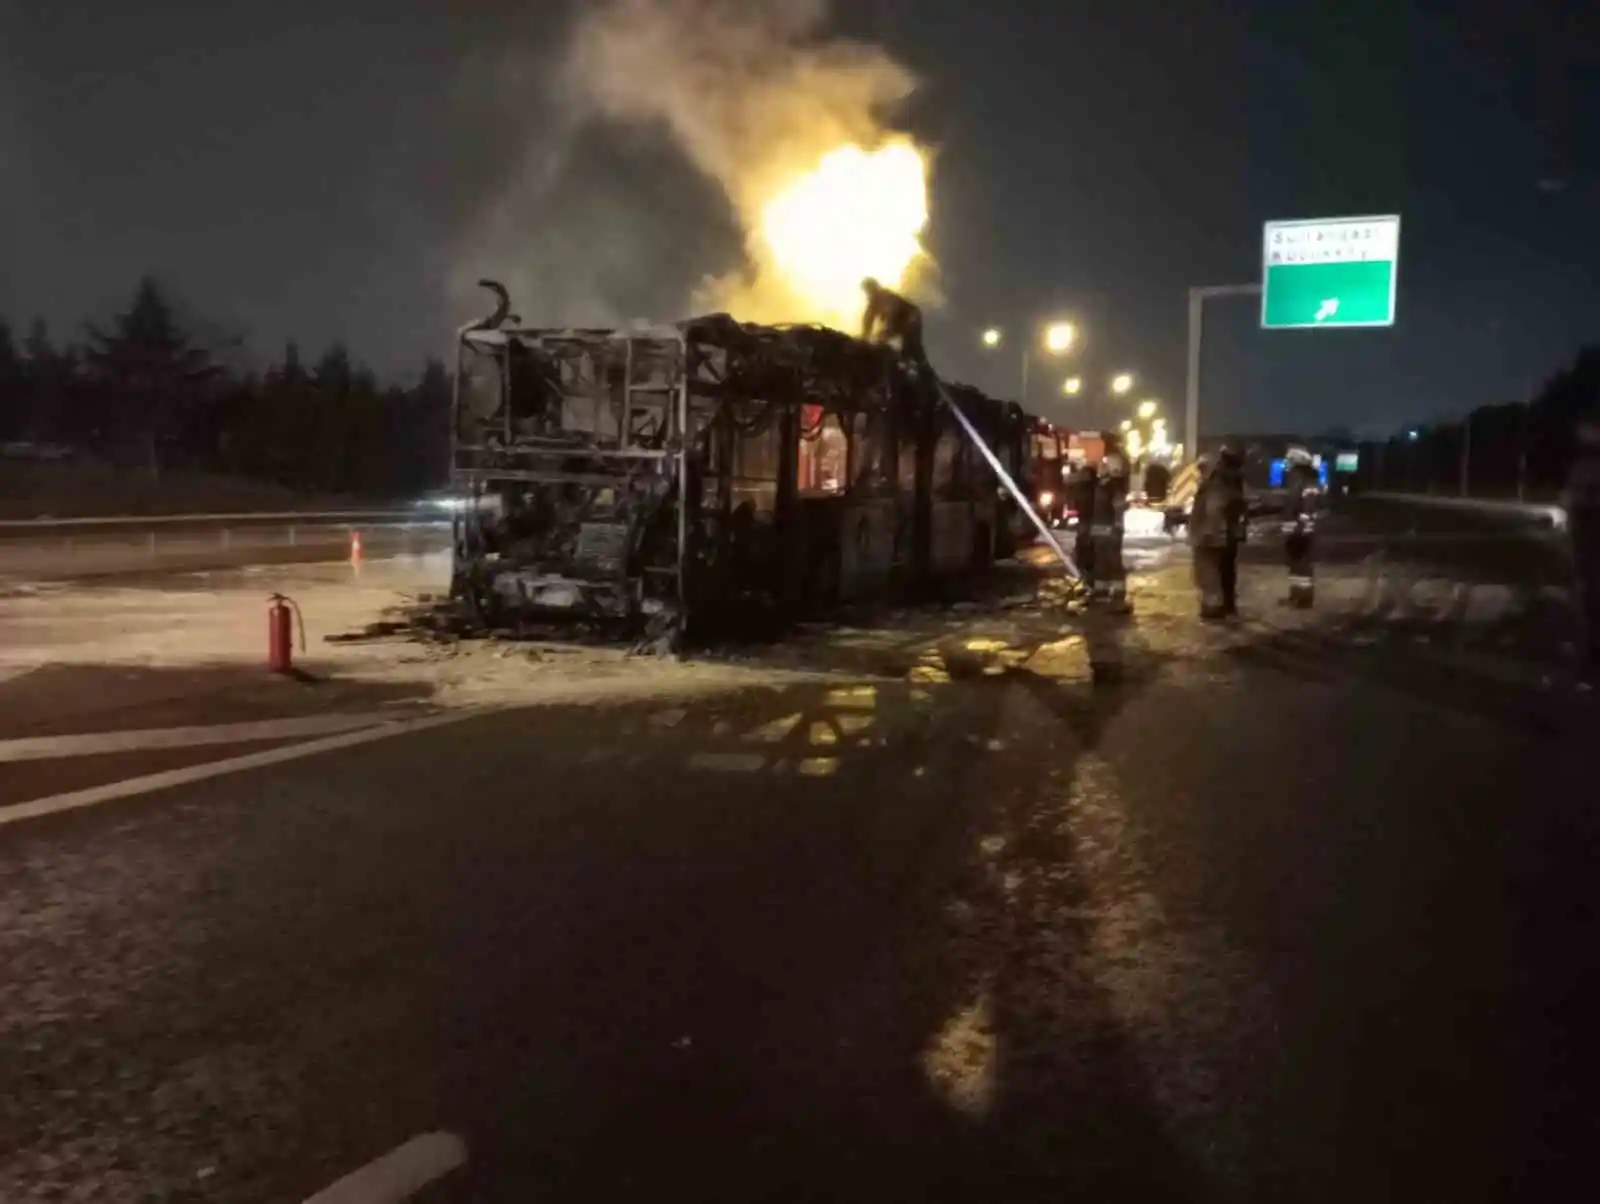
(1191, 391)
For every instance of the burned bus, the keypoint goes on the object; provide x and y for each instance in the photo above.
(816, 468)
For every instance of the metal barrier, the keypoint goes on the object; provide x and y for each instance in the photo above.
(124, 544)
(1543, 513)
(305, 517)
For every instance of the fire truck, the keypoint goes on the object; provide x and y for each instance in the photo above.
(1047, 461)
(683, 469)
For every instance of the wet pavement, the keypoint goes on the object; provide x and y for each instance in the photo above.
(1009, 902)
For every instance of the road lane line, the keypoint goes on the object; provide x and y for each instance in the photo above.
(38, 748)
(129, 787)
(399, 1174)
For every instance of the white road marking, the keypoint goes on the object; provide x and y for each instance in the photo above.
(35, 748)
(399, 1174)
(130, 787)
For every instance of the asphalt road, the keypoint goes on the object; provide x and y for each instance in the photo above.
(1242, 922)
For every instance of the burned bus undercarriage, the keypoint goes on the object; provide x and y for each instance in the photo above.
(817, 468)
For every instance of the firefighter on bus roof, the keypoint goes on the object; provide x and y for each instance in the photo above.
(890, 318)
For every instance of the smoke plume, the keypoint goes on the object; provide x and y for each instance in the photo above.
(599, 224)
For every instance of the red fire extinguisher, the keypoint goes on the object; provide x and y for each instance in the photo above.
(282, 617)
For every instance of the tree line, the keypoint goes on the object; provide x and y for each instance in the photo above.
(1511, 449)
(145, 392)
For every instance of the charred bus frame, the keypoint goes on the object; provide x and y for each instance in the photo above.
(817, 468)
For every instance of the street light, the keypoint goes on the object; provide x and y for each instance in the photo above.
(1147, 409)
(1059, 337)
(1121, 383)
(1127, 425)
(1072, 386)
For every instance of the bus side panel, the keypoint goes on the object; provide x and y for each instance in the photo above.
(815, 553)
(867, 549)
(950, 479)
(988, 530)
(952, 537)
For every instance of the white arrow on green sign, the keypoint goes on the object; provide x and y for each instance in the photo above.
(1338, 271)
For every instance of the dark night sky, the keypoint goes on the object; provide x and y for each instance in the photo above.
(314, 169)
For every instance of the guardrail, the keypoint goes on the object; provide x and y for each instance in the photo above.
(1544, 513)
(249, 518)
(67, 548)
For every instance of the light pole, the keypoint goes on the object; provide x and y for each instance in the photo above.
(1058, 339)
(1191, 392)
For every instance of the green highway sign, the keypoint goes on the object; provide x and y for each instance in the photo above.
(1336, 271)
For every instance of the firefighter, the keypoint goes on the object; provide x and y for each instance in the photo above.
(1105, 527)
(1303, 487)
(1230, 471)
(1080, 486)
(1157, 482)
(1215, 529)
(1582, 501)
(890, 318)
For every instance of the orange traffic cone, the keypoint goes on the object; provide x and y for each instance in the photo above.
(355, 548)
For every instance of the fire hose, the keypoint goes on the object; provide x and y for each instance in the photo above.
(1016, 492)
